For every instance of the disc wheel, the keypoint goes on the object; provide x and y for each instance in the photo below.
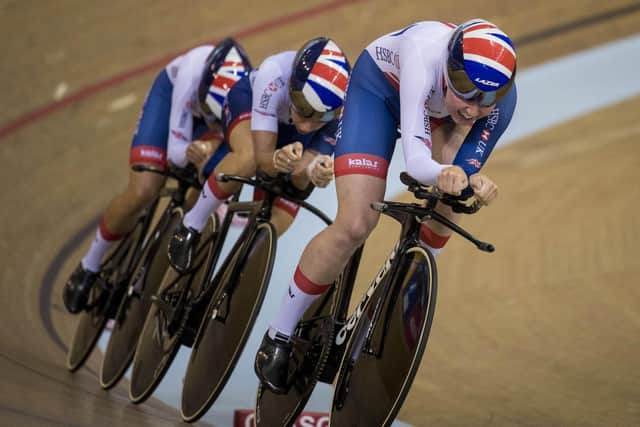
(385, 350)
(227, 323)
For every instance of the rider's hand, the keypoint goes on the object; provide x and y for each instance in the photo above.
(485, 190)
(287, 158)
(198, 152)
(452, 180)
(320, 170)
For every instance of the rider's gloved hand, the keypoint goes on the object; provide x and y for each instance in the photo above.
(485, 189)
(287, 158)
(452, 180)
(198, 152)
(320, 170)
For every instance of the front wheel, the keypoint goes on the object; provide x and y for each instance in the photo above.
(228, 322)
(160, 338)
(385, 350)
(134, 306)
(165, 322)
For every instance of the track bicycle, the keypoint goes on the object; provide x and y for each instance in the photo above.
(164, 323)
(148, 271)
(107, 291)
(374, 354)
(109, 294)
(240, 286)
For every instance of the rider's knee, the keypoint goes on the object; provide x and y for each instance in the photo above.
(355, 228)
(248, 161)
(142, 192)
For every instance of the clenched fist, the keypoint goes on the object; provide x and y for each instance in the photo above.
(452, 180)
(198, 152)
(287, 158)
(320, 170)
(485, 190)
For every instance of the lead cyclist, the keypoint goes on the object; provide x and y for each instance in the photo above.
(450, 90)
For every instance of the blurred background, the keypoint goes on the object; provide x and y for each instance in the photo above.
(545, 331)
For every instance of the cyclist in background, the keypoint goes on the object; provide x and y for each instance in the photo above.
(284, 113)
(180, 123)
(449, 89)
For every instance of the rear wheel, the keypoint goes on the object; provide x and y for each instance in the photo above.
(105, 295)
(310, 351)
(227, 323)
(385, 350)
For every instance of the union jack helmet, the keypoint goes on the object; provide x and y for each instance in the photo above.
(225, 65)
(319, 79)
(481, 63)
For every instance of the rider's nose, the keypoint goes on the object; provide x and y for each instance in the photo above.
(473, 110)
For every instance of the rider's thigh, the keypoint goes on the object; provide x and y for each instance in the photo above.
(144, 187)
(355, 218)
(241, 142)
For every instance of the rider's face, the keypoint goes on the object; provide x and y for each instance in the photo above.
(305, 125)
(465, 112)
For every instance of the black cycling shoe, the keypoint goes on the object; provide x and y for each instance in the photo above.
(76, 290)
(272, 364)
(181, 247)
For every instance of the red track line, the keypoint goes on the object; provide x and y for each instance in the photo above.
(39, 113)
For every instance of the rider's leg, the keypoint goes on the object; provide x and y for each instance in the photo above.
(122, 213)
(238, 160)
(435, 235)
(321, 263)
(283, 215)
(149, 146)
(327, 254)
(119, 218)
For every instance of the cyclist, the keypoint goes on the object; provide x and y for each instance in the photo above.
(449, 89)
(285, 112)
(179, 124)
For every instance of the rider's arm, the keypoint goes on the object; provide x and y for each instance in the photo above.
(484, 135)
(269, 91)
(417, 79)
(319, 152)
(264, 145)
(181, 116)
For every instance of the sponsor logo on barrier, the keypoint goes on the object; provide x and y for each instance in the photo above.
(246, 418)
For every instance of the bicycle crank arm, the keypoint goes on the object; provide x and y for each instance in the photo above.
(165, 307)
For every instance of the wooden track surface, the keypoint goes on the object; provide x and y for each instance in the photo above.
(543, 332)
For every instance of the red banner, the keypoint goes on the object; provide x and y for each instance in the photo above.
(245, 418)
